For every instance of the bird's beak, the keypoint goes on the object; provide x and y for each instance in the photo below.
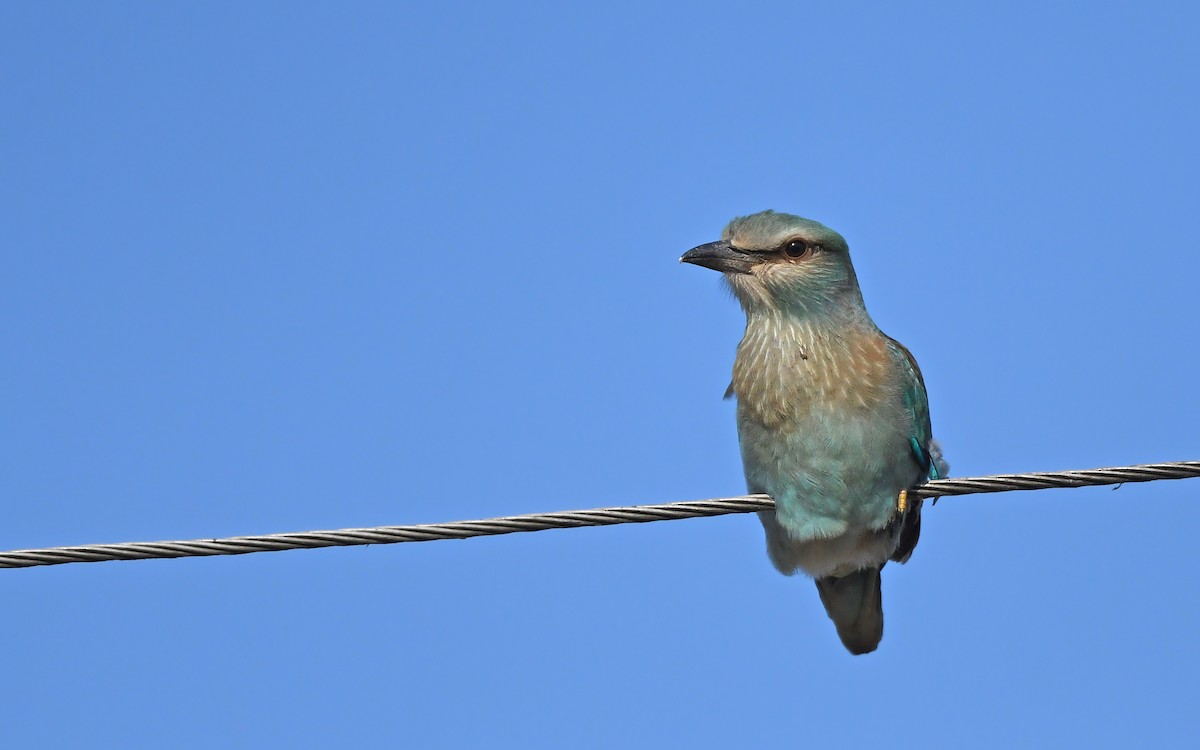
(720, 256)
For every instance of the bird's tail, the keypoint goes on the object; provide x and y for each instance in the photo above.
(856, 608)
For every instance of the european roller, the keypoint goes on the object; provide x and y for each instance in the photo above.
(832, 415)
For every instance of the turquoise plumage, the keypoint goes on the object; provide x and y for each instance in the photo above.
(833, 416)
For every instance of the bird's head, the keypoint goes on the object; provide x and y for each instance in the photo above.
(776, 261)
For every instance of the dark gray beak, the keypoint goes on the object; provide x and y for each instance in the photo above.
(720, 256)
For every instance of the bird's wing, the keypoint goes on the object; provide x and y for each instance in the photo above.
(917, 401)
(924, 451)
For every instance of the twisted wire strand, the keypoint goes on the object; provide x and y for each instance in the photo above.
(242, 545)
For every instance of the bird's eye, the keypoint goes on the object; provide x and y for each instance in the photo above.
(796, 248)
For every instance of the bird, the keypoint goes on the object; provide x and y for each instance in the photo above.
(832, 415)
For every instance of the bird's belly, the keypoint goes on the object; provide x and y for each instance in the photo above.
(831, 475)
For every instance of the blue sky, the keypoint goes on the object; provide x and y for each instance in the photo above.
(277, 267)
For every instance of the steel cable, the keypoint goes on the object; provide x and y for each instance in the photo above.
(241, 545)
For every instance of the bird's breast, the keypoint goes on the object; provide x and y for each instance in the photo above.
(787, 371)
(822, 424)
